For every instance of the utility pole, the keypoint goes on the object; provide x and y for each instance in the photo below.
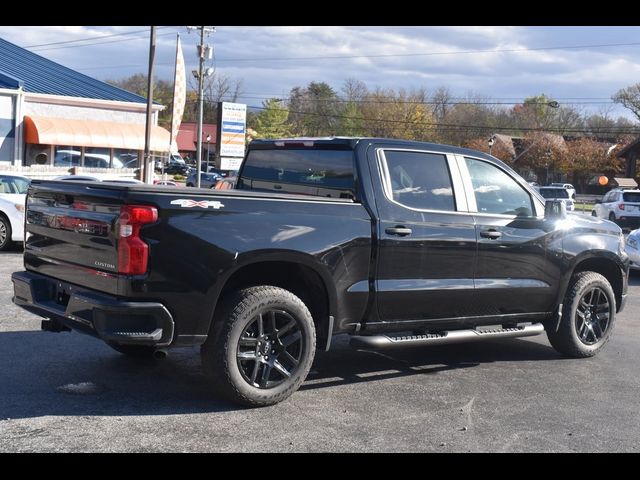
(204, 52)
(146, 176)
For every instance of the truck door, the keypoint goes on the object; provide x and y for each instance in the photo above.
(513, 275)
(427, 240)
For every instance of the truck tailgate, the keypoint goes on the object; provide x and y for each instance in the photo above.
(71, 233)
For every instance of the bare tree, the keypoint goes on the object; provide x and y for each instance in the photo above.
(629, 97)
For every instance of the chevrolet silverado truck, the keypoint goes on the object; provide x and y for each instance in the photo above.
(393, 242)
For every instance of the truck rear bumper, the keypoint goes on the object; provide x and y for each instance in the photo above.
(98, 314)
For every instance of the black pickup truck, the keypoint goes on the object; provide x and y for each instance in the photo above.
(396, 243)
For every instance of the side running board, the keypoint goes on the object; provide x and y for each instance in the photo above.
(441, 338)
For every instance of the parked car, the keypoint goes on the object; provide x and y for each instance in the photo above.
(558, 193)
(169, 183)
(632, 247)
(207, 180)
(620, 206)
(228, 183)
(396, 243)
(177, 168)
(77, 178)
(13, 189)
(568, 187)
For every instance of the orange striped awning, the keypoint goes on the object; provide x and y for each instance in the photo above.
(92, 133)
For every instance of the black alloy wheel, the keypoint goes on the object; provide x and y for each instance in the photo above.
(592, 316)
(270, 349)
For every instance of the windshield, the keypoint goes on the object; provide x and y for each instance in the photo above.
(14, 184)
(554, 193)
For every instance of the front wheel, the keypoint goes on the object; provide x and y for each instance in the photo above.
(588, 316)
(260, 347)
(594, 214)
(5, 233)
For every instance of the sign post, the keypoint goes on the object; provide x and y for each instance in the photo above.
(232, 125)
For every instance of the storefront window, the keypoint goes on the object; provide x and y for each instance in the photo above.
(128, 158)
(66, 156)
(95, 157)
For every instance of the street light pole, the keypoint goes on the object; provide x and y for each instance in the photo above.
(203, 51)
(208, 140)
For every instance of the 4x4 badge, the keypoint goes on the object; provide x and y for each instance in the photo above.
(186, 203)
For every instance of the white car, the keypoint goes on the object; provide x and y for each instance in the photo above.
(13, 190)
(558, 193)
(632, 247)
(568, 187)
(620, 206)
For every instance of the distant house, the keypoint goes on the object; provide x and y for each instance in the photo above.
(630, 153)
(53, 116)
(188, 140)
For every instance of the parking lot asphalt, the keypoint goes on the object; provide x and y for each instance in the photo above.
(62, 392)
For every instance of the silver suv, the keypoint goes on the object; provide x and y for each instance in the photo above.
(620, 206)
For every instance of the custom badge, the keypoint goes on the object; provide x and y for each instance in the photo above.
(186, 203)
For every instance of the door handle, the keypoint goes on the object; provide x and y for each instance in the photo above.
(491, 234)
(399, 230)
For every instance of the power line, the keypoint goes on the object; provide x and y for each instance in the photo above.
(425, 54)
(101, 43)
(460, 126)
(89, 38)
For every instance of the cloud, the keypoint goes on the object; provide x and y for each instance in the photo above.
(248, 53)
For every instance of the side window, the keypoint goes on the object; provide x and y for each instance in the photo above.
(496, 192)
(420, 180)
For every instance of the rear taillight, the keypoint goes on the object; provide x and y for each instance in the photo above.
(133, 253)
(621, 206)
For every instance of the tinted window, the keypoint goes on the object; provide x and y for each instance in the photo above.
(633, 197)
(325, 173)
(496, 192)
(420, 180)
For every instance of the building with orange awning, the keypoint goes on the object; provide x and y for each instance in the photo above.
(53, 116)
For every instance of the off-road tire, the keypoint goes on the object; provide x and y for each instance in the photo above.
(567, 339)
(223, 354)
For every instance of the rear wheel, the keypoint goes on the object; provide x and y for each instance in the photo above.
(260, 347)
(5, 233)
(135, 351)
(588, 316)
(612, 217)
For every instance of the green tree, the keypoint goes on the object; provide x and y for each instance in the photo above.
(272, 121)
(314, 110)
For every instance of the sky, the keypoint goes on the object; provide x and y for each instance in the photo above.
(578, 65)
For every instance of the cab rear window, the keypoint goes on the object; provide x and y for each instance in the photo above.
(324, 173)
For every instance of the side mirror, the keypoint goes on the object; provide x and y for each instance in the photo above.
(598, 200)
(555, 210)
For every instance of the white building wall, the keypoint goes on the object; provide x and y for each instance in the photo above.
(7, 128)
(75, 112)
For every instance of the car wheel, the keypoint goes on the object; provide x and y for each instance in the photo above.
(134, 351)
(5, 233)
(189, 184)
(594, 214)
(612, 217)
(588, 316)
(260, 347)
